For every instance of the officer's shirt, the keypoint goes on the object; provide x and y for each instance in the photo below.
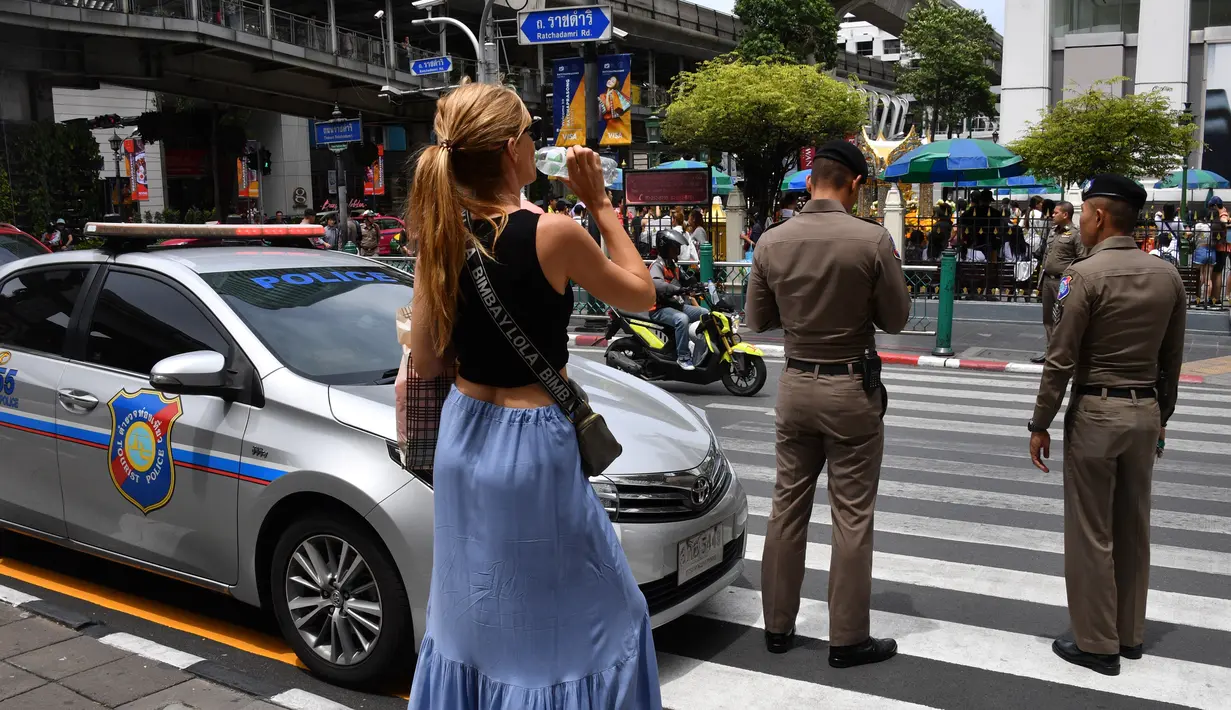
(1063, 248)
(1119, 320)
(828, 279)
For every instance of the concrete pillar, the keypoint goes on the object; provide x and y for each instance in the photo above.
(1026, 66)
(194, 10)
(542, 62)
(895, 217)
(884, 101)
(1163, 61)
(737, 212)
(269, 19)
(333, 27)
(391, 56)
(894, 108)
(653, 70)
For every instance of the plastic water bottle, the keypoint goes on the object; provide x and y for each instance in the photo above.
(552, 162)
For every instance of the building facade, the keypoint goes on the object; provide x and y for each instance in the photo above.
(1053, 48)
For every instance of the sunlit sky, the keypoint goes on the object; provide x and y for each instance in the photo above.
(994, 9)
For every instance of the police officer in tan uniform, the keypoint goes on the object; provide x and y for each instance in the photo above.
(1119, 334)
(1063, 248)
(827, 279)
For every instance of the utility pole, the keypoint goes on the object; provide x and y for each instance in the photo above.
(343, 203)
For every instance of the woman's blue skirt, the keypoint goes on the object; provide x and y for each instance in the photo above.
(533, 605)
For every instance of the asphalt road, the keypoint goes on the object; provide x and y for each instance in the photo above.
(968, 575)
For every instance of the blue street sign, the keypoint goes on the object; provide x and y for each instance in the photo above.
(432, 65)
(566, 24)
(345, 130)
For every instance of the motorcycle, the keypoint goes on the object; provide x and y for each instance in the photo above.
(648, 349)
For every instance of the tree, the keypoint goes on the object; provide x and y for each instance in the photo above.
(788, 29)
(763, 112)
(8, 211)
(55, 172)
(950, 69)
(1096, 132)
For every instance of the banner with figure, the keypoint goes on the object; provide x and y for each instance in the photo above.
(137, 174)
(374, 175)
(568, 101)
(615, 103)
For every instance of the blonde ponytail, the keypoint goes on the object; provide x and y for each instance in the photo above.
(459, 174)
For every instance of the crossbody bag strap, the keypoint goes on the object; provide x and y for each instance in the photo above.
(547, 375)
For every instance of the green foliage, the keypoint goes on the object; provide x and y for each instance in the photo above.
(788, 29)
(55, 174)
(1096, 132)
(950, 69)
(8, 211)
(763, 113)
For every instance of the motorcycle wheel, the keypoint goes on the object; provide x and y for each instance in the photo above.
(629, 347)
(749, 382)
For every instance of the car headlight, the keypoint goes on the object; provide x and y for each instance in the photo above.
(666, 497)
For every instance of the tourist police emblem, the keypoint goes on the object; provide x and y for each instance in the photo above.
(139, 457)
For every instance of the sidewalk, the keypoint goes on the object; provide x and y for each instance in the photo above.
(78, 665)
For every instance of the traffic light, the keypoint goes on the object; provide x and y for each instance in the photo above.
(252, 160)
(108, 121)
(267, 161)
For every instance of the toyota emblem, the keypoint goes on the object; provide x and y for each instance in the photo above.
(701, 492)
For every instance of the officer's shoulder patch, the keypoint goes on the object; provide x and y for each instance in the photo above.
(1065, 281)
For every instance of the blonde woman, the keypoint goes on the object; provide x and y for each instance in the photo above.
(533, 605)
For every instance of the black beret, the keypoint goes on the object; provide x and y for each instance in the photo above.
(1116, 187)
(843, 152)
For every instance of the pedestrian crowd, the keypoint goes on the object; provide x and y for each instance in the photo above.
(533, 604)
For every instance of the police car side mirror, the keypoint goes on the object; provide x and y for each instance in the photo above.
(203, 372)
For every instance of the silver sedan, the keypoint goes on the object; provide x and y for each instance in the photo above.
(225, 415)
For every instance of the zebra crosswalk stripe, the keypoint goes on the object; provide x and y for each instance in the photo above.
(943, 489)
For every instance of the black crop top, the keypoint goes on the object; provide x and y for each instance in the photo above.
(484, 355)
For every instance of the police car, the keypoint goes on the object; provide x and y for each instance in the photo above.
(224, 414)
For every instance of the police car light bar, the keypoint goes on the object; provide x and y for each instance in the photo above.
(156, 232)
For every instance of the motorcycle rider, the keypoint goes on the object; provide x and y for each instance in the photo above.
(671, 310)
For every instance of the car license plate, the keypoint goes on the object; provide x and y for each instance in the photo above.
(699, 553)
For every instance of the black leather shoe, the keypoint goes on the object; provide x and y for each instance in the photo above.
(1131, 652)
(779, 643)
(1039, 359)
(1107, 664)
(861, 654)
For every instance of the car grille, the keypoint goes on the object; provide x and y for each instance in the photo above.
(664, 593)
(671, 497)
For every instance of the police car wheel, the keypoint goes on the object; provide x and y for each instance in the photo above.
(746, 379)
(339, 600)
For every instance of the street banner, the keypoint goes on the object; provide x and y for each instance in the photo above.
(374, 174)
(568, 101)
(241, 177)
(806, 156)
(249, 187)
(615, 102)
(138, 186)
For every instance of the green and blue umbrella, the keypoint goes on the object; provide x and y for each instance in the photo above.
(796, 181)
(720, 182)
(955, 160)
(1017, 183)
(1197, 180)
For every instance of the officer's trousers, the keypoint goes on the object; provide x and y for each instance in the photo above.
(1109, 450)
(819, 419)
(1049, 291)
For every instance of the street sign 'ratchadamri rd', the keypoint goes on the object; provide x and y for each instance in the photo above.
(565, 24)
(431, 65)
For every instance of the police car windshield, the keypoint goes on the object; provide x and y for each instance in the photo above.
(334, 326)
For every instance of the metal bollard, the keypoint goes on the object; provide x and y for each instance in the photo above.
(944, 319)
(707, 262)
